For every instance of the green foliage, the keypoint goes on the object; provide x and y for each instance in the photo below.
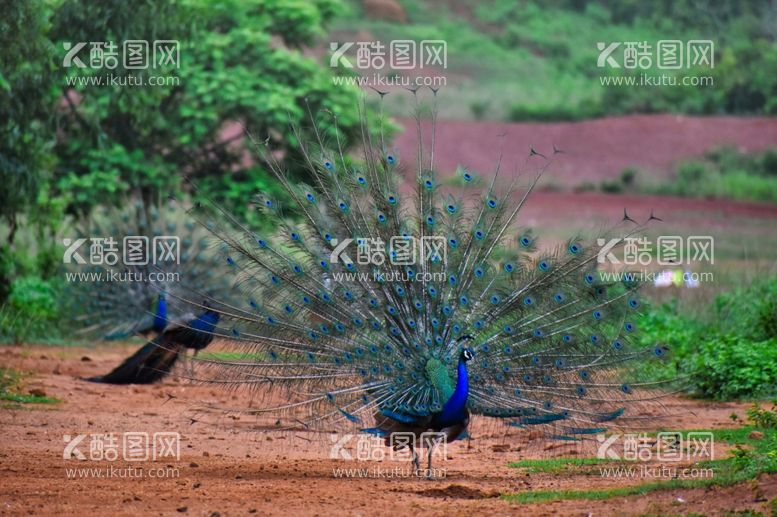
(27, 94)
(121, 140)
(31, 311)
(611, 187)
(626, 182)
(722, 172)
(729, 367)
(498, 44)
(68, 146)
(750, 311)
(480, 109)
(730, 353)
(762, 417)
(725, 172)
(26, 98)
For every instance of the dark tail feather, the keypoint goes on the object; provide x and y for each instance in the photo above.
(149, 364)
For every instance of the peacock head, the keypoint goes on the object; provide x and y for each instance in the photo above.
(467, 354)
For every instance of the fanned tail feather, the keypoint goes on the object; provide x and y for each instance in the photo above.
(344, 342)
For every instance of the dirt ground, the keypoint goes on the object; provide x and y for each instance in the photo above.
(593, 150)
(226, 469)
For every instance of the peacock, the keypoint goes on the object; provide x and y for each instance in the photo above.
(156, 358)
(385, 299)
(139, 299)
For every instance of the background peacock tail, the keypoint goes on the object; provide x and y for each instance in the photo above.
(120, 307)
(333, 328)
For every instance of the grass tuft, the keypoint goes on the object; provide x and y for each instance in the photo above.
(11, 385)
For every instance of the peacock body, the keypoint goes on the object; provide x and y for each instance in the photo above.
(489, 324)
(154, 360)
(142, 299)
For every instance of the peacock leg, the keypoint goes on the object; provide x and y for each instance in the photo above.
(432, 445)
(415, 460)
(191, 364)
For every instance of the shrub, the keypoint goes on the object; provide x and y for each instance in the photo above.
(729, 353)
(727, 367)
(725, 172)
(30, 312)
(611, 187)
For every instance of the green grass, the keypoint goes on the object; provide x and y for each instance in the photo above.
(547, 496)
(556, 465)
(723, 172)
(492, 49)
(11, 385)
(751, 457)
(231, 356)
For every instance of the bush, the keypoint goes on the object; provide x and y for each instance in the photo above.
(769, 162)
(479, 109)
(749, 312)
(727, 173)
(611, 187)
(30, 312)
(628, 176)
(728, 367)
(730, 353)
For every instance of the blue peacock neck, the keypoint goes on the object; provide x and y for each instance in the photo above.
(160, 318)
(455, 408)
(206, 322)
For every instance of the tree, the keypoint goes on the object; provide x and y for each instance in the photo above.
(240, 63)
(26, 98)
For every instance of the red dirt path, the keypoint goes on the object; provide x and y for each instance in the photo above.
(593, 149)
(227, 471)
